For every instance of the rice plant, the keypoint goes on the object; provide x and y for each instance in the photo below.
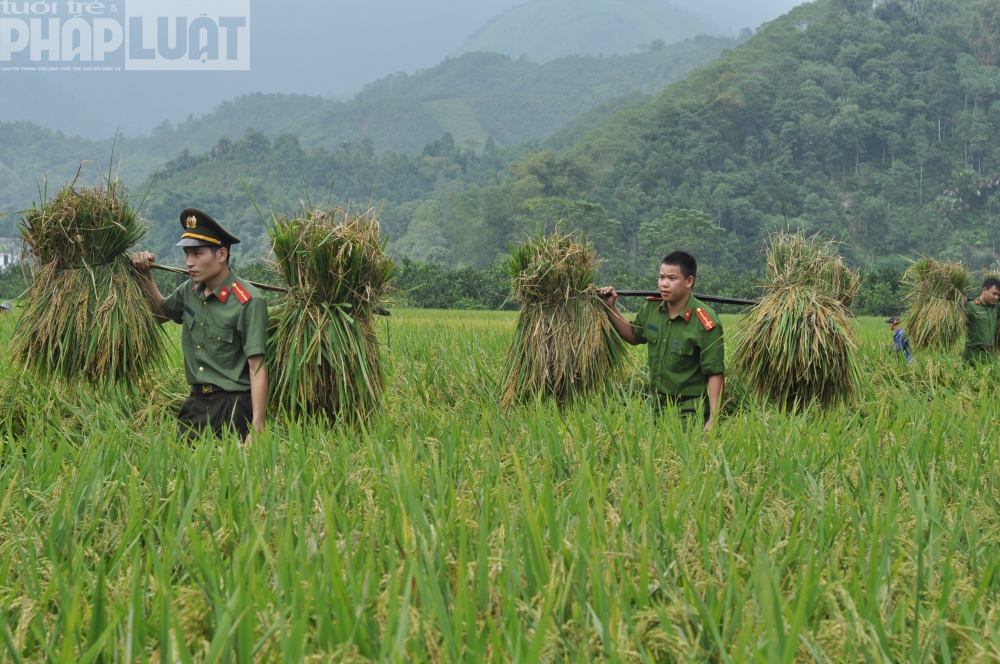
(797, 347)
(86, 314)
(324, 355)
(935, 313)
(563, 345)
(450, 529)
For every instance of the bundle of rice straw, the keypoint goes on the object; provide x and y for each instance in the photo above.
(797, 347)
(935, 313)
(563, 344)
(86, 313)
(323, 353)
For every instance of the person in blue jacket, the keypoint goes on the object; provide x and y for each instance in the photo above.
(900, 342)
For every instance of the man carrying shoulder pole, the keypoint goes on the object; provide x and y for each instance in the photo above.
(224, 336)
(684, 337)
(981, 323)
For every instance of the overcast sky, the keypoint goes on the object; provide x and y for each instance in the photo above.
(303, 46)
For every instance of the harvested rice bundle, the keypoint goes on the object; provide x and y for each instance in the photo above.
(797, 346)
(323, 353)
(563, 344)
(86, 314)
(935, 314)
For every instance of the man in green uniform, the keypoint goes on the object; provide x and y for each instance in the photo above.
(225, 332)
(687, 358)
(981, 323)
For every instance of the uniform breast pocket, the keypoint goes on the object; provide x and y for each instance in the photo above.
(192, 333)
(683, 357)
(219, 342)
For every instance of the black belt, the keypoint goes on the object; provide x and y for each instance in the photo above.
(197, 390)
(677, 400)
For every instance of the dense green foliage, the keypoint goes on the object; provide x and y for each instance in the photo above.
(874, 125)
(547, 29)
(12, 283)
(448, 529)
(279, 174)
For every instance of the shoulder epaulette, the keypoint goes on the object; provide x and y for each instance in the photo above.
(241, 293)
(705, 319)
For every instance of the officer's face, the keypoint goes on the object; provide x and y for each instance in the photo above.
(990, 296)
(674, 286)
(202, 264)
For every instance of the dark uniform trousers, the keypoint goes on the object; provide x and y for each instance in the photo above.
(217, 410)
(692, 410)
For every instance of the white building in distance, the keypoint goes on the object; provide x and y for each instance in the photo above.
(10, 252)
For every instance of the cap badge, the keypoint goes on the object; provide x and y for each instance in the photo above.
(192, 221)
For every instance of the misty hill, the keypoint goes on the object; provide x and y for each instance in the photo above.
(548, 29)
(475, 97)
(875, 126)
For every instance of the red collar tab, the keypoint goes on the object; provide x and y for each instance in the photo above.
(687, 315)
(241, 294)
(223, 295)
(706, 321)
(979, 303)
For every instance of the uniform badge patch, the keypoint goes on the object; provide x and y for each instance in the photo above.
(687, 315)
(223, 295)
(706, 321)
(652, 327)
(241, 294)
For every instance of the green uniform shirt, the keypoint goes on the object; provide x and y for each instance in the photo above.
(682, 353)
(981, 325)
(220, 331)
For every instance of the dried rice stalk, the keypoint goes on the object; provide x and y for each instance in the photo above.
(797, 346)
(323, 353)
(935, 315)
(86, 313)
(563, 345)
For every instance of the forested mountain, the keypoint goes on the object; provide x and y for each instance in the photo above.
(544, 30)
(873, 125)
(474, 97)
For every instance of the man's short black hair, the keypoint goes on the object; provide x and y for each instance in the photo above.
(227, 247)
(991, 282)
(683, 260)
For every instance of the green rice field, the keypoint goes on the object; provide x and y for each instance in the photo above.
(447, 529)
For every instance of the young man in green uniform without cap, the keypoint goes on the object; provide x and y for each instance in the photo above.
(981, 323)
(687, 357)
(224, 336)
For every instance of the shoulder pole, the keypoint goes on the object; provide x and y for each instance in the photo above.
(653, 295)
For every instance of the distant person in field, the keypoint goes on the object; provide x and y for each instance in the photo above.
(224, 336)
(981, 323)
(900, 342)
(687, 357)
(6, 308)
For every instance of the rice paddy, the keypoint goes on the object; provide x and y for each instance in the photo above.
(445, 528)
